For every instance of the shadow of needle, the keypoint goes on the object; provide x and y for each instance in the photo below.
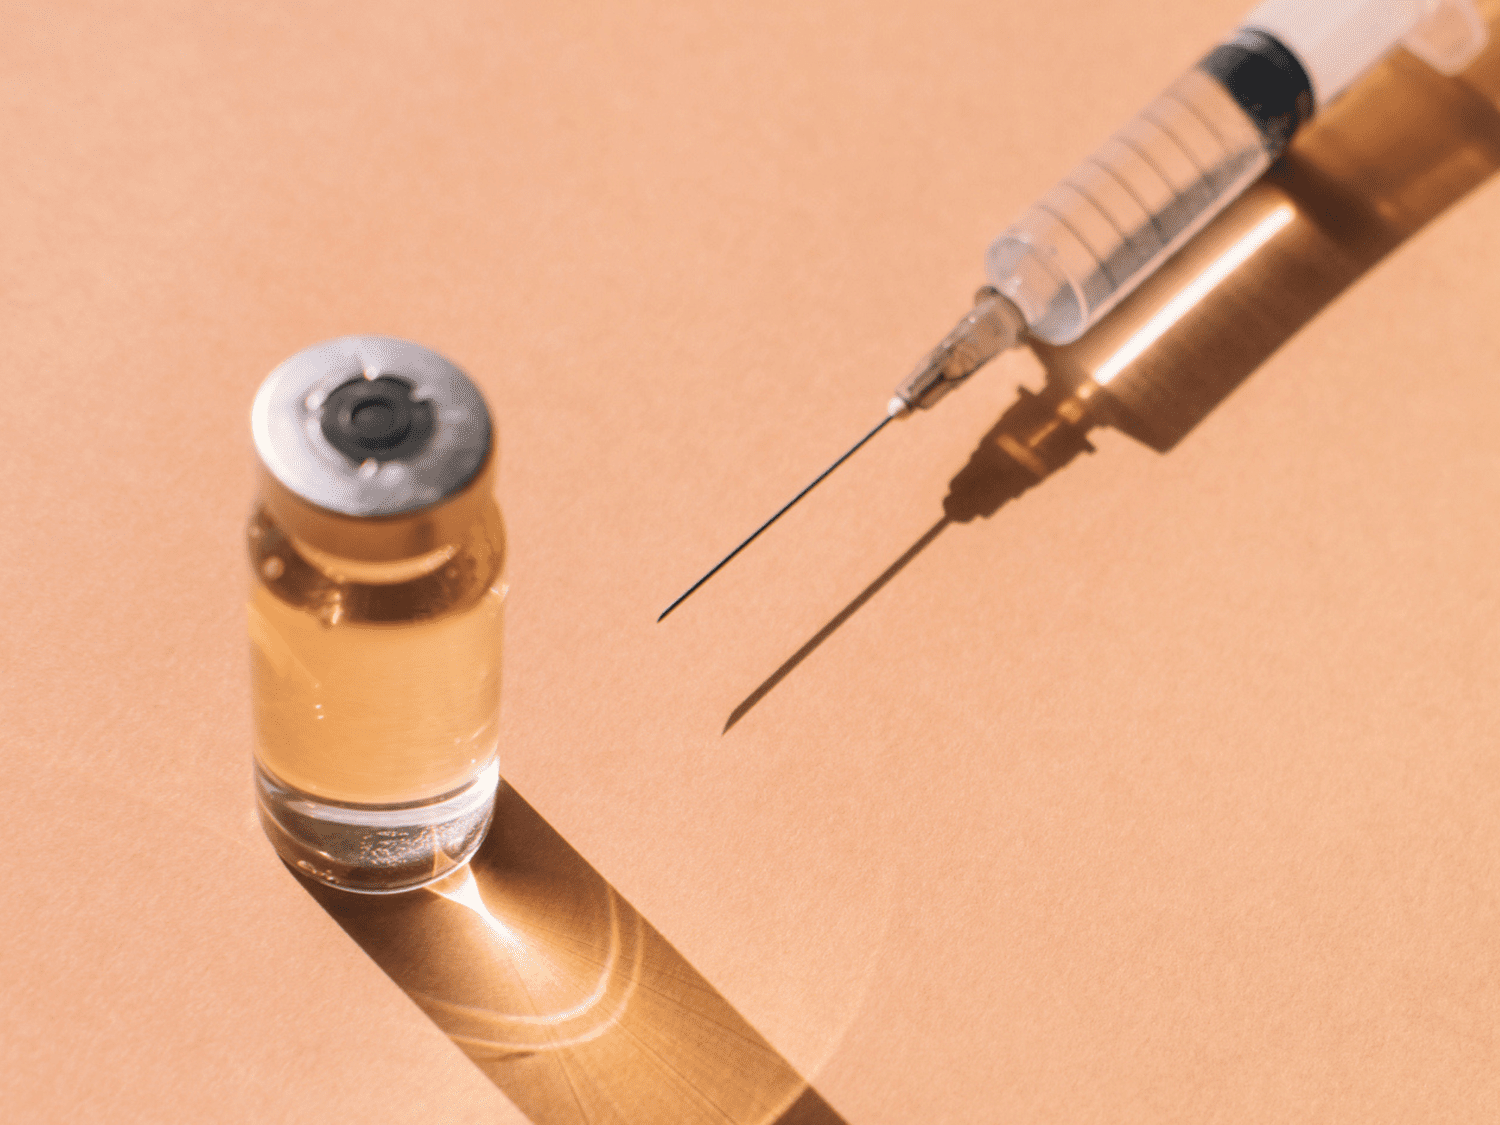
(991, 478)
(828, 630)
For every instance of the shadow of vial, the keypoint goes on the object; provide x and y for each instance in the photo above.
(566, 998)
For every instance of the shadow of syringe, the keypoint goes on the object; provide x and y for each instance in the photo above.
(565, 997)
(1400, 148)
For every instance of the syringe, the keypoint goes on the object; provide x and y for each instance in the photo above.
(1147, 190)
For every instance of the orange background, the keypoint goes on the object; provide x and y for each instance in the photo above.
(1168, 793)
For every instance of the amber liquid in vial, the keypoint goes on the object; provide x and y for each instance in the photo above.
(376, 690)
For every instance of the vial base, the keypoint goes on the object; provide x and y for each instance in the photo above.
(376, 849)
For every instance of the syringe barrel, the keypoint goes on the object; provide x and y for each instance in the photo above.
(1109, 225)
(1094, 237)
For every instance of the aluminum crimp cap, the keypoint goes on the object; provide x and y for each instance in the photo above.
(370, 426)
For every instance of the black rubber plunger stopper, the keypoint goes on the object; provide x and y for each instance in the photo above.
(377, 419)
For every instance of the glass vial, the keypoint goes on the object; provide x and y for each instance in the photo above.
(377, 561)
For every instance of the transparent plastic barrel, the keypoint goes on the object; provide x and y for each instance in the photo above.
(1105, 228)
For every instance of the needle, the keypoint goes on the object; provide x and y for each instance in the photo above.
(779, 513)
(990, 327)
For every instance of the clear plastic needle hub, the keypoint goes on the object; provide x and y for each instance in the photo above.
(992, 326)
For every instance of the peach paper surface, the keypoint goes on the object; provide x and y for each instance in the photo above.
(1168, 793)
